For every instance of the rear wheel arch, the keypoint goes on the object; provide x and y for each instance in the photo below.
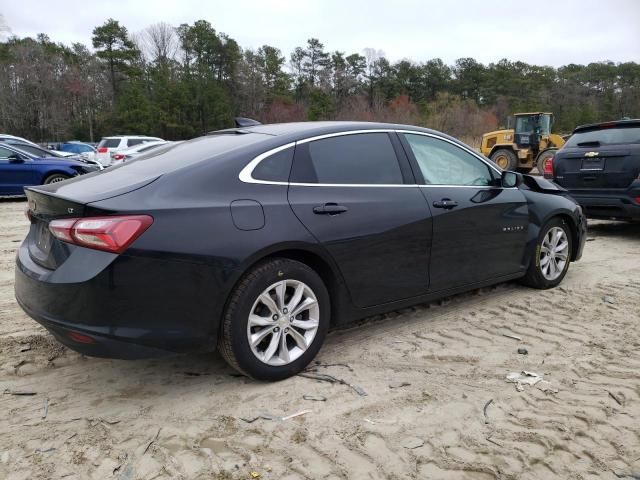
(329, 274)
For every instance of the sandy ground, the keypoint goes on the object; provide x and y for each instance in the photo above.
(438, 405)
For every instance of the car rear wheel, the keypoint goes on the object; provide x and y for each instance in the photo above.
(275, 321)
(551, 256)
(55, 178)
(505, 159)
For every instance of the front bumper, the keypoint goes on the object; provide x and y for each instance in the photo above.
(134, 307)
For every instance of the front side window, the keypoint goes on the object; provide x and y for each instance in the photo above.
(5, 153)
(443, 163)
(359, 159)
(34, 151)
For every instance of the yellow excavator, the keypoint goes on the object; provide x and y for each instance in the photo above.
(529, 144)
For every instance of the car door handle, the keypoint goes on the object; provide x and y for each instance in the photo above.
(445, 203)
(329, 209)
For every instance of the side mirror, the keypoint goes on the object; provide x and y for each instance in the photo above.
(510, 179)
(15, 158)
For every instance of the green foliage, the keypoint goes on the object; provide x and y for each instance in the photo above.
(321, 106)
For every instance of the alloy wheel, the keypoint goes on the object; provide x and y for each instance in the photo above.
(283, 322)
(554, 253)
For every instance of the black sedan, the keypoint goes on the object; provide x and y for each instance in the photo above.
(257, 240)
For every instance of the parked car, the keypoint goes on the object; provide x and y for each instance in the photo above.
(34, 148)
(600, 166)
(8, 138)
(41, 152)
(259, 239)
(78, 148)
(116, 143)
(135, 151)
(20, 168)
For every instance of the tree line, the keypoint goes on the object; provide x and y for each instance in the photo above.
(181, 82)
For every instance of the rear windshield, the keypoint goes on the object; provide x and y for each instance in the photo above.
(109, 143)
(605, 136)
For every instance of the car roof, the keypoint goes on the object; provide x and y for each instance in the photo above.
(310, 129)
(627, 122)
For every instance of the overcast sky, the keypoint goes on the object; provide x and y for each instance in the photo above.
(549, 33)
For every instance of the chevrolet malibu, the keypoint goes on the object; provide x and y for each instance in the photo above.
(257, 240)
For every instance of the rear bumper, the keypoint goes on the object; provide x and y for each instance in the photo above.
(608, 205)
(92, 344)
(134, 307)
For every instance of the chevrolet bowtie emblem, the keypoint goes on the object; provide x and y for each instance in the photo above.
(591, 154)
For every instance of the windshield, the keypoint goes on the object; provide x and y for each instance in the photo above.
(605, 136)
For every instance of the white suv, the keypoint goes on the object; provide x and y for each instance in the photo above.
(120, 142)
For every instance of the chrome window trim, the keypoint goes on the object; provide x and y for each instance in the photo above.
(245, 174)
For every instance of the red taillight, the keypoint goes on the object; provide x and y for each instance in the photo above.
(111, 234)
(103, 150)
(117, 156)
(80, 338)
(61, 229)
(637, 199)
(548, 168)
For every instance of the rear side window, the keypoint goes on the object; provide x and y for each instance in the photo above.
(275, 168)
(109, 143)
(605, 136)
(134, 141)
(367, 158)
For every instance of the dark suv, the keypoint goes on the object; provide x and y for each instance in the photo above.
(600, 166)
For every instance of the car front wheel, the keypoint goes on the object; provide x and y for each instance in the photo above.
(55, 178)
(275, 321)
(552, 255)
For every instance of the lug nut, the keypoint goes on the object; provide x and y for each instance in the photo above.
(277, 329)
(286, 330)
(275, 317)
(284, 310)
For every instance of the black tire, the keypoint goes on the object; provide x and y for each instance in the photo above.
(534, 276)
(542, 159)
(55, 178)
(505, 159)
(233, 343)
(525, 170)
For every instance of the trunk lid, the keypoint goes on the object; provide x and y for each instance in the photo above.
(69, 199)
